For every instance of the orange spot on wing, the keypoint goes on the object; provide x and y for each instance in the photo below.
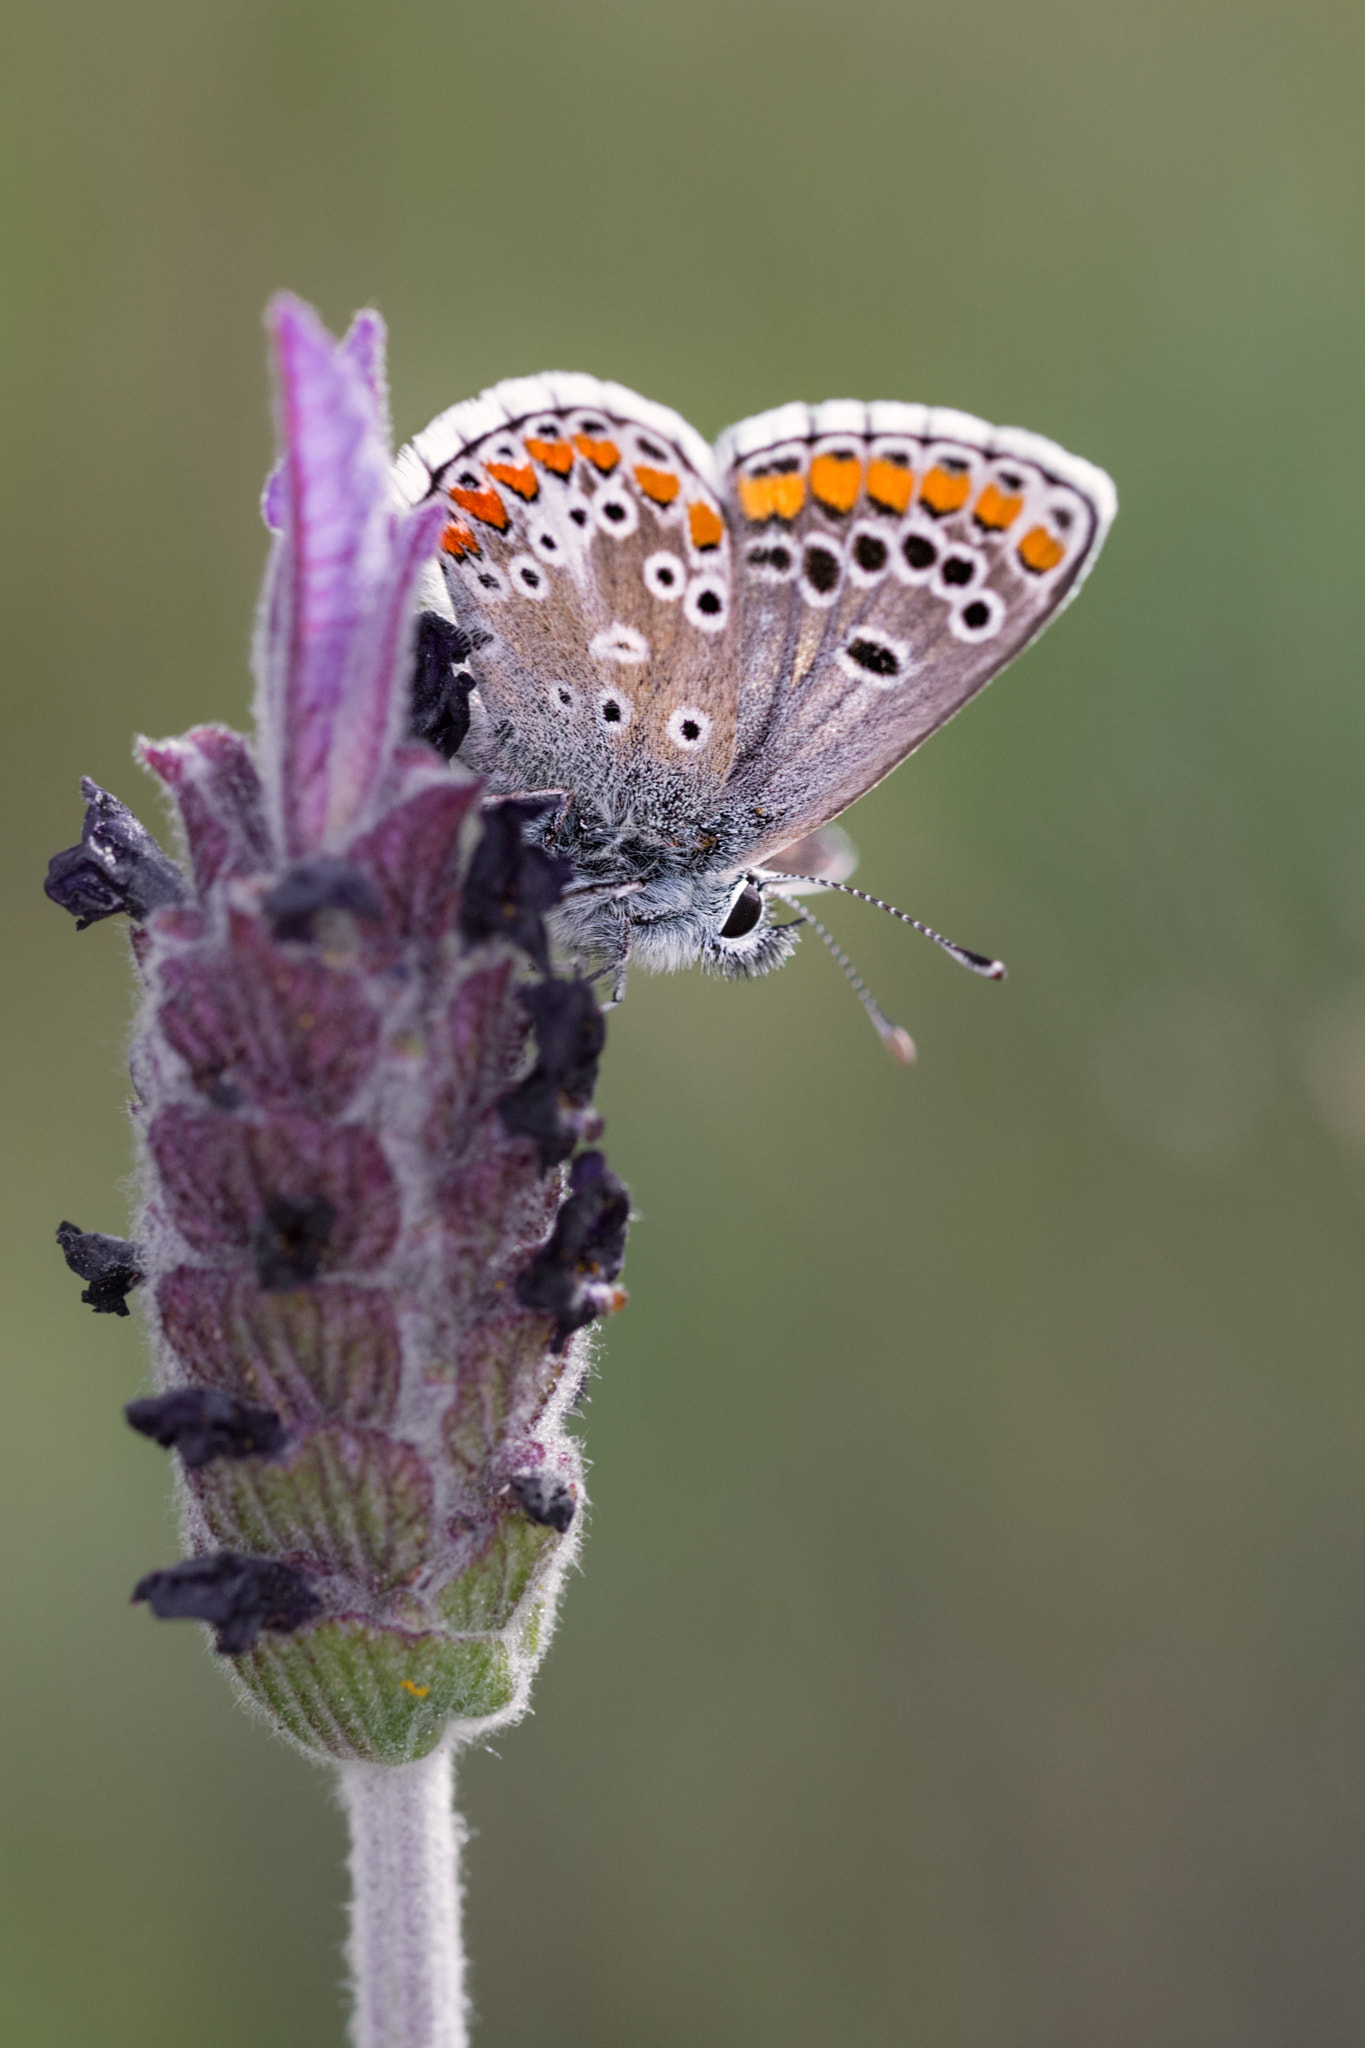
(659, 484)
(836, 481)
(419, 1692)
(603, 455)
(995, 511)
(706, 527)
(789, 493)
(458, 540)
(555, 455)
(521, 479)
(1040, 551)
(772, 494)
(945, 490)
(756, 497)
(889, 484)
(485, 505)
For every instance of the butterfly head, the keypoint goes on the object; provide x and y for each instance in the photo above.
(721, 921)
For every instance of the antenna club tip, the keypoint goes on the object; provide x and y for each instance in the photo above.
(899, 1044)
(997, 971)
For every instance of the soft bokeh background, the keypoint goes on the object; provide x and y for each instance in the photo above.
(971, 1646)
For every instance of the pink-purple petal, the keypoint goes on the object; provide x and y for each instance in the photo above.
(334, 627)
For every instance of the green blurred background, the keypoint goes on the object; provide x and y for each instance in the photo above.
(970, 1650)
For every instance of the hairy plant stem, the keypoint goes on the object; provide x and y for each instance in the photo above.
(405, 1951)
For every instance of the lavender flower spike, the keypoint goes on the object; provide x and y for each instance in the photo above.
(367, 1265)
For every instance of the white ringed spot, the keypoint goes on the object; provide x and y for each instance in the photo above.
(619, 643)
(822, 569)
(665, 577)
(707, 604)
(546, 545)
(871, 656)
(870, 547)
(614, 710)
(774, 560)
(489, 578)
(529, 577)
(959, 568)
(615, 511)
(689, 728)
(917, 551)
(978, 616)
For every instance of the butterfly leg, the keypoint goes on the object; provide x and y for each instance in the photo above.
(617, 966)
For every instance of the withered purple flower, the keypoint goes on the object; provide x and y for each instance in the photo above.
(364, 1262)
(237, 1596)
(117, 865)
(441, 683)
(204, 1423)
(112, 1265)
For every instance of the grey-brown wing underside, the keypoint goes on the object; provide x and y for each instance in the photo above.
(589, 553)
(888, 561)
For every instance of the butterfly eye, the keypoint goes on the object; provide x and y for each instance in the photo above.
(746, 912)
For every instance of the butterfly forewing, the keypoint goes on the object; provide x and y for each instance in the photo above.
(889, 560)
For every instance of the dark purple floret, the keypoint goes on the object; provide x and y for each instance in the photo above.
(290, 1240)
(535, 1109)
(441, 683)
(203, 1423)
(238, 1596)
(511, 885)
(320, 883)
(570, 1275)
(112, 1265)
(545, 1499)
(118, 866)
(570, 1034)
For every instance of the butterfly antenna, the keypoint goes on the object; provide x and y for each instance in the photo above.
(979, 963)
(894, 1037)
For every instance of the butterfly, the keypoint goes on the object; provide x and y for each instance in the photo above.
(708, 653)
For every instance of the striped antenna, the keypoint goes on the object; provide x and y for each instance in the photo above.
(978, 963)
(894, 1037)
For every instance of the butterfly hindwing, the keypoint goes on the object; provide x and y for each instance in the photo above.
(588, 552)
